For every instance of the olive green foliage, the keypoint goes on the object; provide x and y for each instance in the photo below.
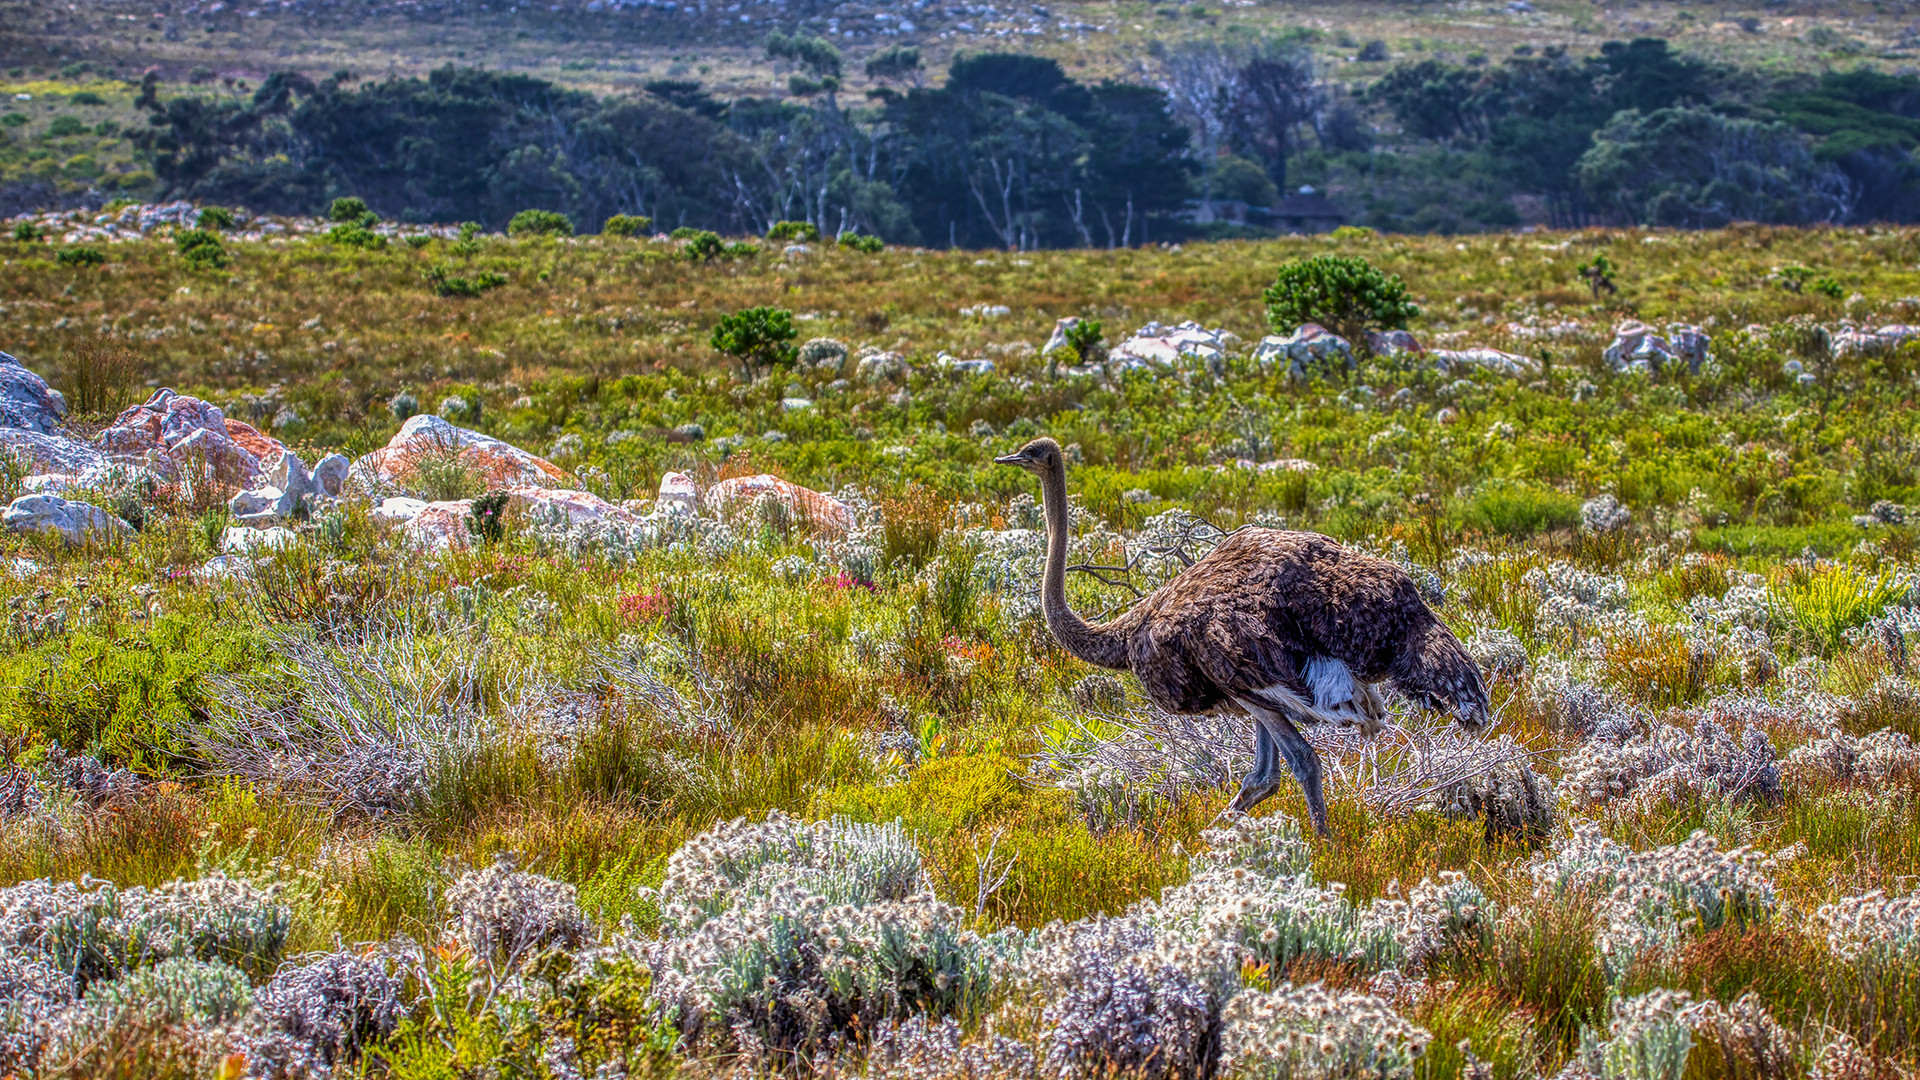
(447, 283)
(216, 218)
(627, 225)
(760, 338)
(348, 210)
(793, 230)
(80, 256)
(486, 519)
(861, 242)
(356, 235)
(26, 232)
(1598, 274)
(201, 250)
(1343, 293)
(540, 223)
(701, 244)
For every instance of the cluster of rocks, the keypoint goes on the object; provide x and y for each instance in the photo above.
(140, 220)
(1638, 347)
(175, 440)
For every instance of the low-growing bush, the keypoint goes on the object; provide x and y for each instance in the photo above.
(627, 225)
(862, 243)
(446, 283)
(793, 230)
(540, 223)
(201, 250)
(79, 256)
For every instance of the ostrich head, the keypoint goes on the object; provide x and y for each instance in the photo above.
(1040, 457)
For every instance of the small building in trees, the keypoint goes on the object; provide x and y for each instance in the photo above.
(1307, 211)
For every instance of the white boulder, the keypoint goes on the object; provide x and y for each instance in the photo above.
(76, 522)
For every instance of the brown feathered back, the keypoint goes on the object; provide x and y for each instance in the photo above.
(1256, 609)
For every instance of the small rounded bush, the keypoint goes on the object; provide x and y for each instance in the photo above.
(347, 209)
(865, 245)
(540, 223)
(404, 406)
(1344, 293)
(793, 230)
(201, 250)
(627, 225)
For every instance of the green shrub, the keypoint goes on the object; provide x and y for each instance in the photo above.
(403, 406)
(759, 337)
(1598, 274)
(540, 223)
(627, 225)
(201, 250)
(80, 256)
(86, 97)
(26, 233)
(356, 235)
(741, 251)
(65, 125)
(793, 230)
(487, 518)
(1343, 293)
(1084, 338)
(446, 283)
(1829, 288)
(347, 210)
(469, 242)
(684, 232)
(704, 245)
(14, 119)
(417, 241)
(1519, 511)
(865, 245)
(216, 217)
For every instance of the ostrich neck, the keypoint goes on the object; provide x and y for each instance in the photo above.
(1104, 645)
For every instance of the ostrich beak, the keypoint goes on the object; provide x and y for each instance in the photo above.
(1011, 459)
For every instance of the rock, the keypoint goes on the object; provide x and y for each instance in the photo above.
(1393, 343)
(279, 499)
(822, 355)
(1855, 341)
(1637, 348)
(239, 539)
(1454, 361)
(881, 367)
(330, 475)
(423, 437)
(440, 526)
(53, 455)
(25, 401)
(1163, 346)
(677, 494)
(968, 367)
(178, 435)
(554, 505)
(1310, 350)
(398, 510)
(823, 511)
(795, 404)
(19, 566)
(76, 522)
(1446, 415)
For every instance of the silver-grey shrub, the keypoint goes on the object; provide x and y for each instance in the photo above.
(320, 1013)
(94, 930)
(784, 938)
(1314, 1033)
(510, 919)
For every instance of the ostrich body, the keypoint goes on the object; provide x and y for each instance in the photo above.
(1290, 628)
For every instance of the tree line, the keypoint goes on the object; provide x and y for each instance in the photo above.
(1010, 152)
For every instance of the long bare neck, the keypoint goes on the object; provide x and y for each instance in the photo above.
(1104, 645)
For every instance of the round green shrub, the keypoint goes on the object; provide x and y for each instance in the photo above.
(347, 209)
(1343, 293)
(627, 225)
(540, 223)
(793, 230)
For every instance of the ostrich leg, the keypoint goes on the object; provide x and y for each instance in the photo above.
(1274, 731)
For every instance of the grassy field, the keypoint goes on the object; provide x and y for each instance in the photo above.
(1702, 769)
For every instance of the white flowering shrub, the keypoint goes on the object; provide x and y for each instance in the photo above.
(1675, 764)
(1275, 920)
(509, 919)
(1880, 758)
(1437, 918)
(32, 994)
(1122, 998)
(1603, 514)
(1498, 652)
(924, 1049)
(1314, 1033)
(1572, 598)
(94, 930)
(1649, 1039)
(783, 937)
(843, 862)
(1872, 929)
(1659, 898)
(320, 1013)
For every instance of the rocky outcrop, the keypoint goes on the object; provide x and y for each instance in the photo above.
(441, 526)
(1637, 347)
(53, 461)
(1866, 341)
(677, 494)
(427, 438)
(1310, 350)
(175, 435)
(1162, 346)
(76, 522)
(734, 495)
(26, 402)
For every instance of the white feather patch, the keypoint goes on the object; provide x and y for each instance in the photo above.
(1337, 697)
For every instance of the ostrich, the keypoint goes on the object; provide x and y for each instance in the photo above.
(1290, 628)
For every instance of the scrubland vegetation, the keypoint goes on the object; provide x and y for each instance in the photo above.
(720, 792)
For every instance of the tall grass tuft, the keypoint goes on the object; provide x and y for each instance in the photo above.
(100, 375)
